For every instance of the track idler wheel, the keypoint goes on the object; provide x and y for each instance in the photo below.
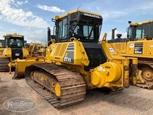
(147, 73)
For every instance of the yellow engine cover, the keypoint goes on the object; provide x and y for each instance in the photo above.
(25, 52)
(7, 52)
(72, 53)
(105, 73)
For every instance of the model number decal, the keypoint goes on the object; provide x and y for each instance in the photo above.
(138, 52)
(69, 57)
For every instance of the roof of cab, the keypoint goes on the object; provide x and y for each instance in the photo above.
(83, 11)
(140, 23)
(14, 35)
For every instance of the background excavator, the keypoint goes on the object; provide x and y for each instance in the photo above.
(12, 49)
(139, 44)
(75, 61)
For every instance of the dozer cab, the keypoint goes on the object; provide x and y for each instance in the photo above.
(76, 61)
(13, 49)
(139, 44)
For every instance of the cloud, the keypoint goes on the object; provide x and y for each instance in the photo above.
(1, 17)
(30, 34)
(21, 2)
(119, 21)
(109, 8)
(1, 34)
(112, 14)
(20, 17)
(35, 35)
(145, 6)
(38, 35)
(50, 8)
(105, 8)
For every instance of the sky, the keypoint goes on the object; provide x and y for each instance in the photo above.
(32, 17)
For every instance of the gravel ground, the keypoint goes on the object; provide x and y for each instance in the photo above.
(131, 101)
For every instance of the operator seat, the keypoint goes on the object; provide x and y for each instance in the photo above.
(80, 33)
(14, 44)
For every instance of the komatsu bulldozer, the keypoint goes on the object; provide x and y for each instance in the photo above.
(1, 49)
(139, 44)
(36, 49)
(75, 61)
(2, 43)
(13, 49)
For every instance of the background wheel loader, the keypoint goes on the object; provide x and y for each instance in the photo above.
(12, 49)
(139, 44)
(75, 61)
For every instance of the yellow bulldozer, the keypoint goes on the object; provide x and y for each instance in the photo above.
(75, 61)
(1, 49)
(36, 49)
(139, 44)
(2, 43)
(13, 49)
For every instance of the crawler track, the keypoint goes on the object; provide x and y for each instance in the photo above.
(4, 65)
(72, 85)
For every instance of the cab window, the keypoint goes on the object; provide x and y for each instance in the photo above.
(142, 31)
(15, 42)
(139, 32)
(62, 28)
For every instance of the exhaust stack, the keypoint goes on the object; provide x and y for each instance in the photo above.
(48, 35)
(113, 33)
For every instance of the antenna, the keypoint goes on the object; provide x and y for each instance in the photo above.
(78, 8)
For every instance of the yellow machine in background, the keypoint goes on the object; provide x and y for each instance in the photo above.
(139, 44)
(13, 49)
(76, 61)
(36, 49)
(1, 49)
(36, 54)
(2, 44)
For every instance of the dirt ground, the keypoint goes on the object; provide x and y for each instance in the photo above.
(131, 101)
